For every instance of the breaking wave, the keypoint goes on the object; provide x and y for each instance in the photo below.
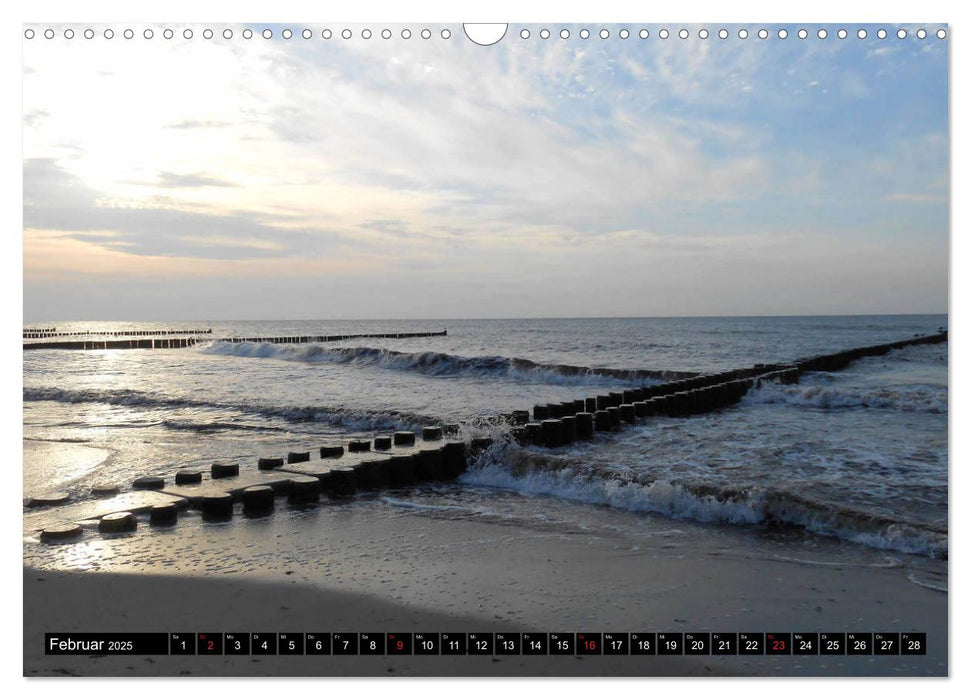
(350, 419)
(929, 399)
(443, 364)
(508, 467)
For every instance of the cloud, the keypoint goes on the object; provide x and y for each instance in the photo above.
(176, 180)
(573, 158)
(35, 117)
(391, 227)
(199, 124)
(916, 198)
(521, 152)
(55, 200)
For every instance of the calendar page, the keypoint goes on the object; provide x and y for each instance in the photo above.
(485, 350)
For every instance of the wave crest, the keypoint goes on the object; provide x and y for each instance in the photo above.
(351, 419)
(509, 467)
(928, 399)
(444, 364)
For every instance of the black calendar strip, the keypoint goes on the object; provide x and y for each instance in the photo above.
(489, 643)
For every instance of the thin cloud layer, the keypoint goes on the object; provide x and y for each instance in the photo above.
(55, 200)
(190, 180)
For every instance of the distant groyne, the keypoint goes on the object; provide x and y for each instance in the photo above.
(134, 340)
(54, 333)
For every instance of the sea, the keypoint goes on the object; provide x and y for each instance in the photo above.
(853, 463)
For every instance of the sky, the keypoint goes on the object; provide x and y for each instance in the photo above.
(435, 178)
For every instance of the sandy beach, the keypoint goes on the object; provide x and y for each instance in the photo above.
(356, 568)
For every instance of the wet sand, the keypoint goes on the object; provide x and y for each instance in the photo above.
(353, 570)
(57, 463)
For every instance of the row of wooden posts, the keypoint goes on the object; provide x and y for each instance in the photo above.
(164, 343)
(557, 424)
(51, 333)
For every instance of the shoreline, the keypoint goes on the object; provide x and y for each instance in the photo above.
(361, 568)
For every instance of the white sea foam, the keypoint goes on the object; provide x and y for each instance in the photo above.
(930, 399)
(524, 472)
